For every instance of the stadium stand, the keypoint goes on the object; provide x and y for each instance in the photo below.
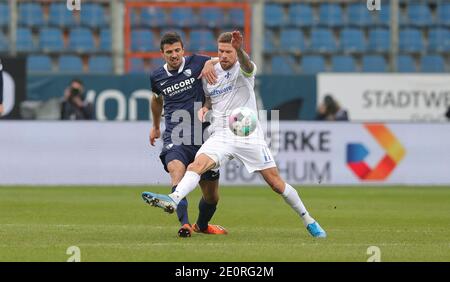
(343, 33)
(405, 63)
(4, 15)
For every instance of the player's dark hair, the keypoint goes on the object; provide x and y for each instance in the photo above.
(225, 37)
(170, 37)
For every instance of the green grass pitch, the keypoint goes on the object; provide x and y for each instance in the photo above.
(114, 224)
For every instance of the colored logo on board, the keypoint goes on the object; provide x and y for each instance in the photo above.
(357, 152)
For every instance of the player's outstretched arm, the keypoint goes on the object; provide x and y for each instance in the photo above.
(157, 106)
(244, 59)
(208, 71)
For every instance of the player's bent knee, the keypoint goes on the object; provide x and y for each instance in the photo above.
(197, 167)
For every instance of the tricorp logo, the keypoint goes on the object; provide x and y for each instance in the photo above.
(357, 152)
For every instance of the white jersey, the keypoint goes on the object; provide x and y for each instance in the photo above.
(233, 89)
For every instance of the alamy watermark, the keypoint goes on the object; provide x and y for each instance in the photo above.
(375, 254)
(73, 5)
(374, 5)
(75, 254)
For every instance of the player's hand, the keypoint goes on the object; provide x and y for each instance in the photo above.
(209, 73)
(1, 109)
(155, 133)
(201, 113)
(236, 40)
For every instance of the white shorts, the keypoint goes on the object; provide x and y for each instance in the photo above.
(255, 156)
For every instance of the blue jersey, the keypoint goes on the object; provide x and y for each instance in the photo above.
(179, 89)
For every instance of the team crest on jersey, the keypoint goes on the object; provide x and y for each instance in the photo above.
(187, 72)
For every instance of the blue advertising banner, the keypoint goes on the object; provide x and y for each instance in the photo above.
(128, 97)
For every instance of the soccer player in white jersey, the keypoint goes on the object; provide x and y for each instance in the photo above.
(236, 76)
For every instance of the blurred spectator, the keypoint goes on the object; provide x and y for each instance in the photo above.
(448, 113)
(329, 109)
(74, 106)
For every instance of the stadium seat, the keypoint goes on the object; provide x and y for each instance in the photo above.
(358, 15)
(235, 18)
(70, 64)
(202, 40)
(432, 63)
(136, 65)
(105, 40)
(81, 40)
(31, 14)
(439, 40)
(269, 41)
(93, 15)
(301, 15)
(373, 64)
(283, 65)
(142, 41)
(59, 15)
(330, 15)
(212, 17)
(153, 17)
(322, 40)
(39, 64)
(343, 64)
(313, 64)
(379, 40)
(405, 63)
(292, 40)
(156, 63)
(443, 13)
(418, 15)
(4, 42)
(383, 17)
(100, 64)
(51, 39)
(4, 14)
(24, 41)
(410, 40)
(274, 15)
(352, 40)
(183, 17)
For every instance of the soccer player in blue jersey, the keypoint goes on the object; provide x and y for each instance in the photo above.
(177, 86)
(1, 88)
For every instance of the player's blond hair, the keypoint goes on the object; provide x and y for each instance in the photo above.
(225, 37)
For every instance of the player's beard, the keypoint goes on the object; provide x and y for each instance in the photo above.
(226, 65)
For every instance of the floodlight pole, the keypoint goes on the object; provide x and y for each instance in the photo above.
(393, 25)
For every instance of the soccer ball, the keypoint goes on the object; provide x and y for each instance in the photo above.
(242, 121)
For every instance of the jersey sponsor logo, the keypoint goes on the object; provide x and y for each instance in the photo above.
(187, 72)
(179, 87)
(221, 91)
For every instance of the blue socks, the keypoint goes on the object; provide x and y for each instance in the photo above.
(206, 212)
(182, 209)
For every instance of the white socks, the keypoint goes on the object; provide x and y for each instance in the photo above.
(186, 186)
(292, 198)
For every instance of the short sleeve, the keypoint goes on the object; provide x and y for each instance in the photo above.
(154, 87)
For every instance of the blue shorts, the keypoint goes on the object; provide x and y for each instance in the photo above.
(186, 155)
